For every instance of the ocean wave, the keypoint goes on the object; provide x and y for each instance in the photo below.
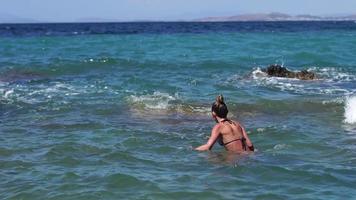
(53, 94)
(36, 94)
(258, 73)
(333, 74)
(280, 147)
(350, 110)
(330, 81)
(157, 100)
(338, 100)
(161, 102)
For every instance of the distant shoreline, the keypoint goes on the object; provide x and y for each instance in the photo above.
(275, 16)
(124, 22)
(257, 17)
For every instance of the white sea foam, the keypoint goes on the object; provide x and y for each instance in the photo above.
(55, 89)
(284, 84)
(338, 100)
(258, 73)
(157, 100)
(332, 74)
(280, 146)
(163, 102)
(8, 93)
(328, 82)
(350, 110)
(199, 109)
(40, 93)
(260, 130)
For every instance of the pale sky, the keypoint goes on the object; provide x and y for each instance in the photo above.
(128, 10)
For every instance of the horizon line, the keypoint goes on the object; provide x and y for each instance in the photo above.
(221, 18)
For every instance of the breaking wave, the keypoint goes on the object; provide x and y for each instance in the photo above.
(164, 102)
(330, 81)
(157, 100)
(350, 110)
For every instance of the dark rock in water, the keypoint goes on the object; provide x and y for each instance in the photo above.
(279, 71)
(305, 75)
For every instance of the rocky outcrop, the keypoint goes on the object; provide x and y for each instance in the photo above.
(279, 71)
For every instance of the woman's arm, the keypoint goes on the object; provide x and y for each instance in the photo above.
(214, 136)
(248, 141)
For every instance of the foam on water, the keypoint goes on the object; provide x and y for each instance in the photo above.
(350, 110)
(77, 104)
(55, 92)
(258, 73)
(339, 100)
(157, 100)
(7, 93)
(328, 83)
(332, 74)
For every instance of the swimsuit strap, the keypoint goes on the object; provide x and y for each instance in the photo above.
(225, 120)
(243, 142)
(232, 141)
(243, 139)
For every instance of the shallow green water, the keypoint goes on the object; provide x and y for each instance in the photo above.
(117, 116)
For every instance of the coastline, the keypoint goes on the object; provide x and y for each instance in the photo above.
(258, 17)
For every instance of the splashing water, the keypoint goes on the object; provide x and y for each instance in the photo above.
(350, 110)
(157, 100)
(119, 107)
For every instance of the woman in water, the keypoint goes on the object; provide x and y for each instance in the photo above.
(228, 133)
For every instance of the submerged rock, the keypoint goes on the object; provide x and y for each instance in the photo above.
(279, 71)
(12, 76)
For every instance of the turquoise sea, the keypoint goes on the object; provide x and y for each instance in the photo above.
(113, 111)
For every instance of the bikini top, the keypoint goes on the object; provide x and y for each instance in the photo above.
(242, 139)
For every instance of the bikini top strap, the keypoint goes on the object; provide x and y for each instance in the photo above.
(225, 120)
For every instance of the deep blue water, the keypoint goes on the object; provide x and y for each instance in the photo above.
(113, 110)
(170, 27)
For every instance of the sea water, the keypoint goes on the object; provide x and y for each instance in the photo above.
(113, 111)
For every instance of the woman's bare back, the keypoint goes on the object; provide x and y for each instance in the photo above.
(232, 136)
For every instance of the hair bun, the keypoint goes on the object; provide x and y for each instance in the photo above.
(219, 107)
(220, 99)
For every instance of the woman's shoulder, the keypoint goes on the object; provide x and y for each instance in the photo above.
(236, 123)
(218, 126)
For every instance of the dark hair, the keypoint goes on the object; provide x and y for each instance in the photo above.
(219, 107)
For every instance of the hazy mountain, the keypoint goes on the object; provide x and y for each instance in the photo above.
(96, 20)
(276, 17)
